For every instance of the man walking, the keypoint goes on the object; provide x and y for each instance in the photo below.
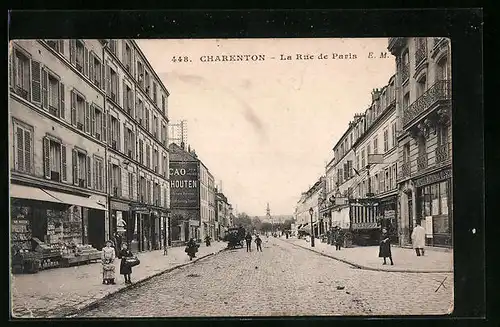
(248, 239)
(418, 239)
(258, 241)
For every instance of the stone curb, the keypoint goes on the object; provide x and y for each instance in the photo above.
(95, 303)
(371, 268)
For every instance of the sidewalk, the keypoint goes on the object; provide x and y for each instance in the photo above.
(62, 291)
(366, 257)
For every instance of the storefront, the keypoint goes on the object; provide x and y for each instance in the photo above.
(119, 220)
(54, 226)
(387, 216)
(434, 207)
(364, 225)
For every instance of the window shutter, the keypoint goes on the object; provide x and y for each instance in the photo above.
(108, 80)
(109, 128)
(89, 172)
(27, 151)
(36, 76)
(132, 196)
(96, 163)
(104, 125)
(133, 145)
(46, 154)
(119, 181)
(101, 171)
(147, 120)
(92, 119)
(131, 102)
(86, 61)
(125, 140)
(62, 101)
(13, 68)
(20, 149)
(73, 108)
(61, 46)
(72, 51)
(124, 91)
(74, 162)
(137, 109)
(91, 68)
(110, 178)
(87, 117)
(118, 129)
(45, 91)
(64, 172)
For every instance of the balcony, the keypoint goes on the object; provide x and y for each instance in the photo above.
(442, 153)
(420, 52)
(115, 191)
(395, 43)
(440, 91)
(422, 162)
(405, 169)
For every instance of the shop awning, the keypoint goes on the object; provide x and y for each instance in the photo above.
(77, 200)
(31, 193)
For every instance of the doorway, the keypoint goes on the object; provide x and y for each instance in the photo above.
(410, 216)
(186, 231)
(96, 228)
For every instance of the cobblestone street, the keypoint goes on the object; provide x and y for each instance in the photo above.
(283, 280)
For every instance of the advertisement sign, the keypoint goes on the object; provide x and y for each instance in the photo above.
(184, 185)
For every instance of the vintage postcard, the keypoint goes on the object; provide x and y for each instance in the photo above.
(230, 177)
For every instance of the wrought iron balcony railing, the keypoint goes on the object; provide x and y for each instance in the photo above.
(442, 153)
(441, 90)
(405, 169)
(422, 162)
(420, 55)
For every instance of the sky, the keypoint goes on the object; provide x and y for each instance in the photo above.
(267, 128)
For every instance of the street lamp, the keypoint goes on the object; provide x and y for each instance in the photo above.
(311, 211)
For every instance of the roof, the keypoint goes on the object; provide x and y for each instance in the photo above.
(179, 154)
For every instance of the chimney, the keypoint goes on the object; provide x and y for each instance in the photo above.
(183, 146)
(375, 94)
(189, 148)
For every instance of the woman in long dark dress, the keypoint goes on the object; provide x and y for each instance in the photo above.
(385, 247)
(125, 269)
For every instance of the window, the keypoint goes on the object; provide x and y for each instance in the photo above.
(142, 189)
(112, 83)
(147, 81)
(368, 149)
(394, 135)
(21, 74)
(53, 160)
(164, 134)
(148, 191)
(442, 135)
(375, 145)
(349, 169)
(130, 185)
(155, 98)
(128, 58)
(127, 99)
(357, 162)
(80, 54)
(155, 127)
(23, 148)
(394, 176)
(146, 120)
(141, 152)
(163, 104)
(140, 74)
(406, 152)
(115, 133)
(53, 95)
(129, 142)
(81, 168)
(98, 174)
(78, 111)
(140, 111)
(421, 86)
(406, 100)
(442, 69)
(57, 45)
(95, 70)
(148, 156)
(156, 162)
(115, 176)
(376, 184)
(97, 119)
(165, 166)
(386, 140)
(112, 46)
(363, 158)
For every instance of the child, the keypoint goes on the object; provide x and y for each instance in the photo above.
(125, 269)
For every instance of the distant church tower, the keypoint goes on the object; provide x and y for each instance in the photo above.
(268, 214)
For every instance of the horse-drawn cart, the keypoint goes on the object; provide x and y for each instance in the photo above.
(235, 237)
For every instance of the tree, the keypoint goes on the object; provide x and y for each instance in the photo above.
(256, 223)
(266, 227)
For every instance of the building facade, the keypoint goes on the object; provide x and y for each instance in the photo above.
(72, 132)
(211, 207)
(312, 198)
(221, 214)
(423, 81)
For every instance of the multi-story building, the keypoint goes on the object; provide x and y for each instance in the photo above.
(137, 117)
(221, 214)
(423, 103)
(75, 167)
(312, 199)
(211, 206)
(177, 132)
(373, 204)
(205, 177)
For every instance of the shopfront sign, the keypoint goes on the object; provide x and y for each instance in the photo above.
(184, 185)
(141, 209)
(433, 178)
(364, 225)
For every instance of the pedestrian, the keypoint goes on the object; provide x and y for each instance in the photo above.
(258, 241)
(125, 269)
(117, 240)
(385, 247)
(339, 241)
(108, 268)
(418, 239)
(248, 239)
